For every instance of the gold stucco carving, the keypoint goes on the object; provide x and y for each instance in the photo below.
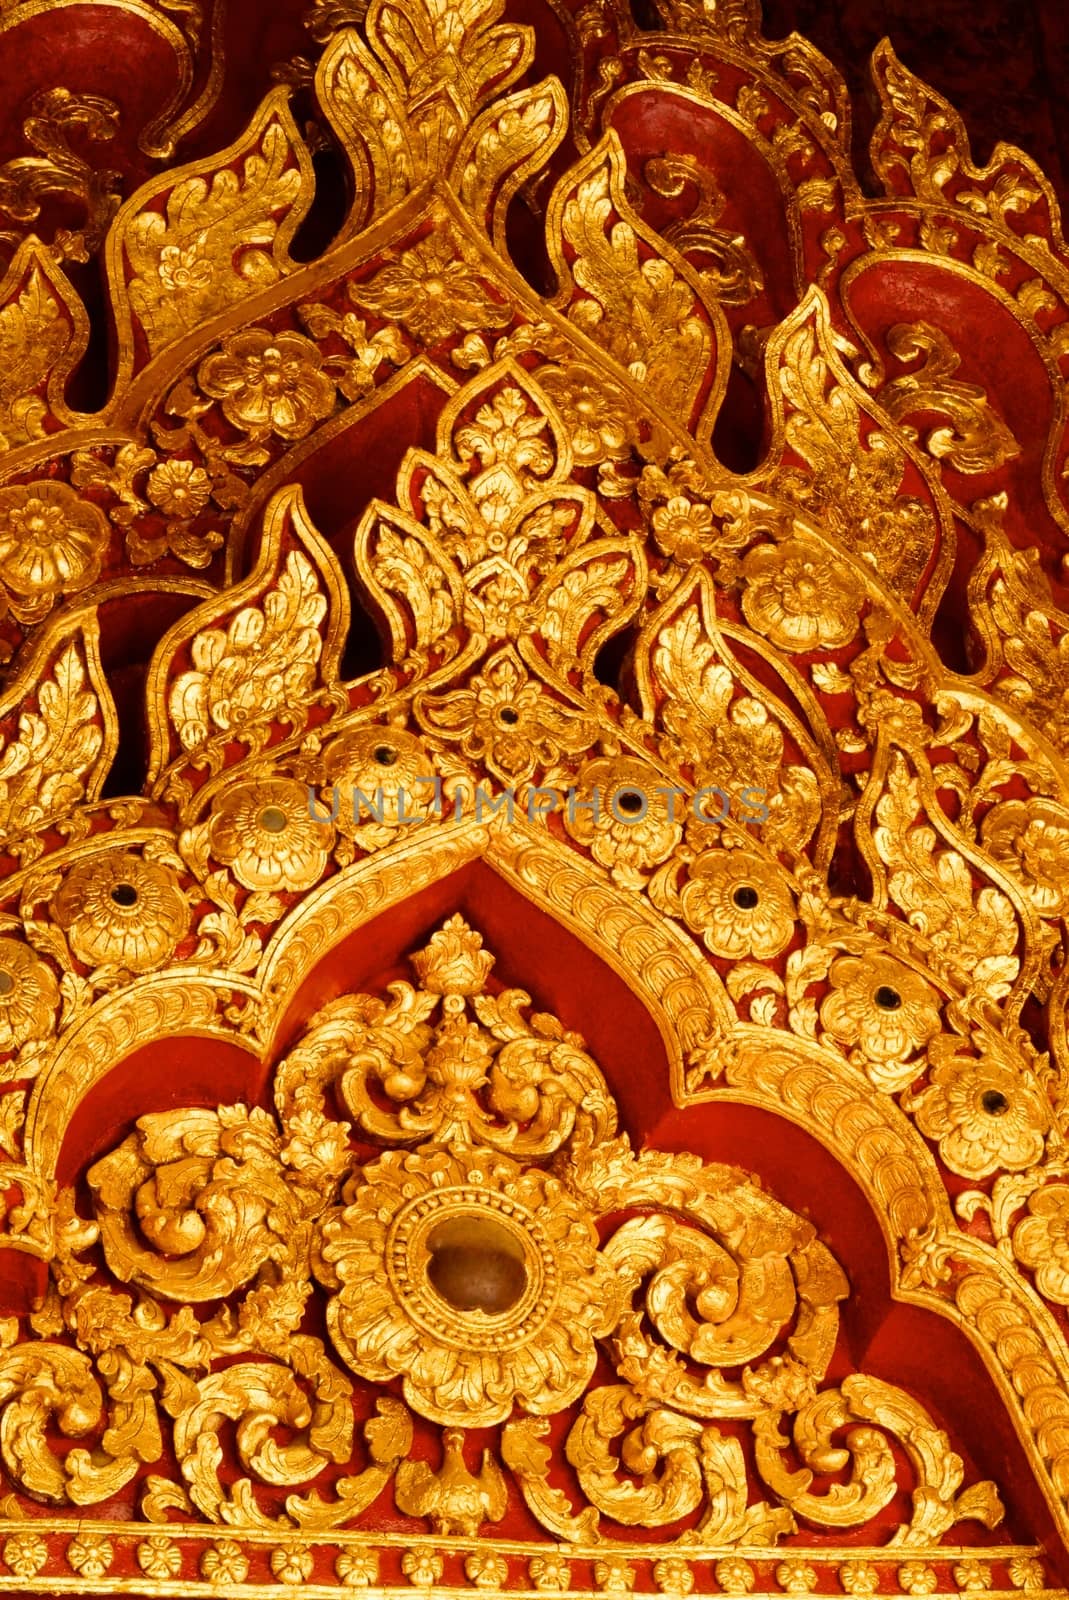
(649, 1342)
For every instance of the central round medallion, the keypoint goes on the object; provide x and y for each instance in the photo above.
(472, 1264)
(475, 1279)
(476, 1264)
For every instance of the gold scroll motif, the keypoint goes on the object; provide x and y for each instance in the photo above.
(466, 1260)
(973, 438)
(436, 1215)
(26, 182)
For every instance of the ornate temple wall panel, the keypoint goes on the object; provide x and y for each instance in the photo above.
(534, 812)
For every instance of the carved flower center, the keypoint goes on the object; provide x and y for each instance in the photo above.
(745, 897)
(1041, 848)
(994, 1102)
(40, 521)
(124, 894)
(476, 1264)
(886, 998)
(385, 755)
(7, 982)
(275, 372)
(273, 819)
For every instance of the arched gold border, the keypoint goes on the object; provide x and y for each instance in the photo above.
(1014, 1333)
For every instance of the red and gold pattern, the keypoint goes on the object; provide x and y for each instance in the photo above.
(411, 1182)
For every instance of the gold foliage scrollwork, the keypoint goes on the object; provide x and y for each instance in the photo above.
(62, 732)
(178, 1176)
(852, 477)
(263, 1315)
(424, 75)
(974, 438)
(723, 259)
(635, 299)
(466, 1259)
(26, 182)
(866, 1401)
(43, 332)
(921, 144)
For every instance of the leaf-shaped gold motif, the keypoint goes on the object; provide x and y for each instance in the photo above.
(262, 659)
(637, 298)
(729, 720)
(403, 103)
(973, 437)
(65, 735)
(511, 139)
(181, 255)
(921, 148)
(854, 477)
(424, 42)
(266, 657)
(43, 331)
(367, 112)
(935, 888)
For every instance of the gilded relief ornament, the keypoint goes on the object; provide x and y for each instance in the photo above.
(55, 114)
(392, 632)
(269, 384)
(798, 601)
(432, 292)
(538, 1351)
(479, 1257)
(29, 995)
(51, 543)
(121, 910)
(268, 836)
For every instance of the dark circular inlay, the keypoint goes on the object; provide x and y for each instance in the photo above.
(385, 755)
(476, 1265)
(887, 999)
(994, 1102)
(7, 982)
(124, 894)
(508, 715)
(630, 801)
(273, 819)
(745, 897)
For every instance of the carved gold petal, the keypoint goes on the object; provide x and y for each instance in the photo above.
(632, 293)
(43, 333)
(62, 730)
(278, 642)
(219, 231)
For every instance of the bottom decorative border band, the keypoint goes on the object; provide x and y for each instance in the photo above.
(39, 1556)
